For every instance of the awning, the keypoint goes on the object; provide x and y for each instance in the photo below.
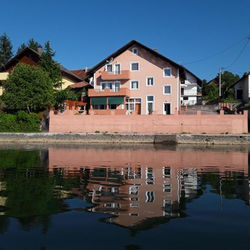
(98, 101)
(116, 100)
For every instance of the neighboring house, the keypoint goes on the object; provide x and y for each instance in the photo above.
(242, 88)
(138, 80)
(189, 89)
(32, 57)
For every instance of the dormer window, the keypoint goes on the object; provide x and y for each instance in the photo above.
(135, 51)
(109, 67)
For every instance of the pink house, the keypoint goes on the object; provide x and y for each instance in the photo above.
(137, 80)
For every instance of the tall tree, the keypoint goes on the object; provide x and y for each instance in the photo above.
(50, 66)
(5, 49)
(28, 88)
(21, 47)
(33, 44)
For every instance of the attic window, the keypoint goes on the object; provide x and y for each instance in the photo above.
(135, 51)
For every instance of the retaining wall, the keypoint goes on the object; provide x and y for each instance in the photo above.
(72, 121)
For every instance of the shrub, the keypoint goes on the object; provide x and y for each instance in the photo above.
(19, 122)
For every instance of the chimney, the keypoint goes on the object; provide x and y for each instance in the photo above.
(86, 69)
(155, 50)
(40, 50)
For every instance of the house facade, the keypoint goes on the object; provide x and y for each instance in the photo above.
(138, 80)
(242, 88)
(32, 57)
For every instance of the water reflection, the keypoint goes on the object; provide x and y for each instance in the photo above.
(137, 187)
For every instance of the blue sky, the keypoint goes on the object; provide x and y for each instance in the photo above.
(83, 32)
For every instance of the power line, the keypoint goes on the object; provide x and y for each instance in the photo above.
(239, 55)
(218, 53)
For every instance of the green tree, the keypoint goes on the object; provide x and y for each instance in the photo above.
(33, 44)
(227, 79)
(21, 47)
(50, 66)
(212, 91)
(5, 49)
(28, 88)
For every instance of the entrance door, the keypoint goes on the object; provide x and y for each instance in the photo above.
(167, 109)
(138, 108)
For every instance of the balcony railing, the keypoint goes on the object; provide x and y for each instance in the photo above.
(120, 75)
(108, 92)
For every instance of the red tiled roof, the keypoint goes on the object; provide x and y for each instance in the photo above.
(82, 84)
(79, 72)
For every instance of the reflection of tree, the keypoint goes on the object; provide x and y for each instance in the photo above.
(4, 224)
(230, 184)
(19, 159)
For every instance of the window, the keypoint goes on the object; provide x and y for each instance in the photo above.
(149, 176)
(135, 51)
(239, 94)
(166, 172)
(150, 104)
(134, 66)
(150, 81)
(106, 85)
(109, 67)
(167, 187)
(167, 72)
(117, 69)
(150, 196)
(133, 190)
(167, 90)
(182, 91)
(117, 86)
(134, 85)
(185, 98)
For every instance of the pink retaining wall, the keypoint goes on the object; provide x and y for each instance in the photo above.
(69, 121)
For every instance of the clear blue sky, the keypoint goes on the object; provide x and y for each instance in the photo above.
(84, 32)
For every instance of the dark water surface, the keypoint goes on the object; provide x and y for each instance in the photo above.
(113, 197)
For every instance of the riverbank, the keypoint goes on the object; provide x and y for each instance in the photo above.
(85, 138)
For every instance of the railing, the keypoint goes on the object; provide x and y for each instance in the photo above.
(109, 92)
(115, 75)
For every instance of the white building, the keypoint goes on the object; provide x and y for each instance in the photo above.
(189, 90)
(242, 88)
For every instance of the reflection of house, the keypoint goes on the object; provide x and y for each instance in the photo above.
(136, 185)
(136, 79)
(32, 57)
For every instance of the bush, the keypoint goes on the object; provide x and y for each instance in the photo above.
(19, 122)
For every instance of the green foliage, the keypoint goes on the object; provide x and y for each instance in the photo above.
(28, 88)
(50, 66)
(212, 92)
(5, 49)
(66, 94)
(31, 44)
(20, 122)
(21, 47)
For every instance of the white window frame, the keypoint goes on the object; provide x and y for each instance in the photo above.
(131, 67)
(106, 67)
(150, 102)
(170, 72)
(147, 81)
(113, 68)
(133, 51)
(131, 85)
(165, 85)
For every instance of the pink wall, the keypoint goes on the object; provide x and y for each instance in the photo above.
(149, 66)
(70, 121)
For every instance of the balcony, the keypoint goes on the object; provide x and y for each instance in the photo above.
(124, 75)
(108, 92)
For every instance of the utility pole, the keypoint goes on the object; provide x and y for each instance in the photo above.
(220, 81)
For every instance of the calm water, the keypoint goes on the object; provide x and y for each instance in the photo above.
(141, 197)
